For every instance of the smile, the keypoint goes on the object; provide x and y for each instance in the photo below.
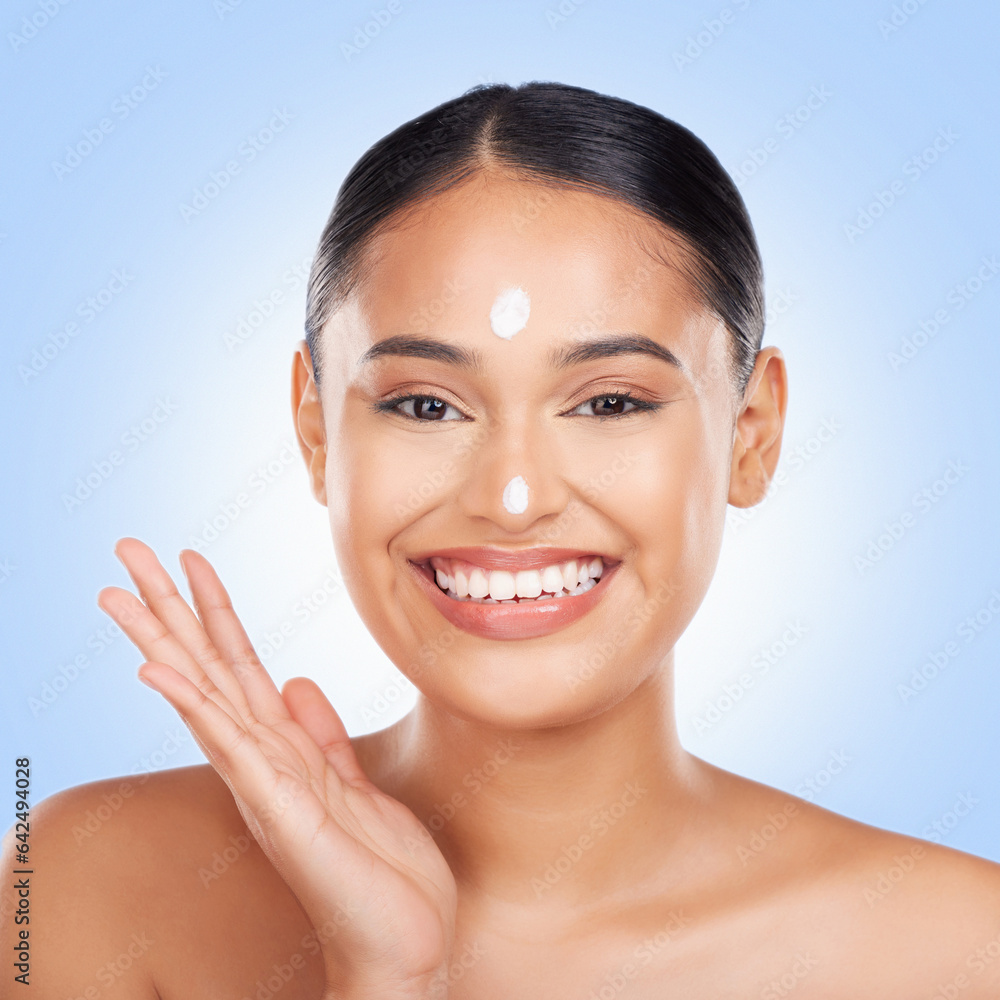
(513, 594)
(464, 581)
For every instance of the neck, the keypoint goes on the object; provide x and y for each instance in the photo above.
(567, 814)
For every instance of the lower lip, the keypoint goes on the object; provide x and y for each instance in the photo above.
(525, 620)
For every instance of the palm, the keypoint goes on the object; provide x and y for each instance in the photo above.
(366, 871)
(375, 844)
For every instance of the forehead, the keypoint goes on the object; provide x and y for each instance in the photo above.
(575, 247)
(592, 267)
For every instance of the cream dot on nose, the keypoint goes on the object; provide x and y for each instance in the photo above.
(515, 496)
(510, 312)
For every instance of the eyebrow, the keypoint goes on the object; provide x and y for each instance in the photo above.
(609, 347)
(405, 346)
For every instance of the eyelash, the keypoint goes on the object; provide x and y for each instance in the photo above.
(639, 405)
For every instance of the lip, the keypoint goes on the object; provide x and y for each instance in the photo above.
(529, 620)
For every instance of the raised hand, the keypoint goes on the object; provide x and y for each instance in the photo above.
(341, 845)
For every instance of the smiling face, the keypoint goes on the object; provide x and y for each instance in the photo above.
(609, 413)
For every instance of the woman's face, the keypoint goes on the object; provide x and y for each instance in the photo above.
(642, 484)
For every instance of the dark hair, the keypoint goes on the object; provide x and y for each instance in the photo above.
(564, 136)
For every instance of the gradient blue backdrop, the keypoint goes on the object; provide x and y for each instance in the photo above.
(863, 136)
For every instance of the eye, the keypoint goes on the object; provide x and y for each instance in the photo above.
(613, 405)
(423, 408)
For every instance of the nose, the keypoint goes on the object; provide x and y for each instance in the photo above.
(512, 477)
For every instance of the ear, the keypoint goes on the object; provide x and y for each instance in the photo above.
(307, 414)
(759, 425)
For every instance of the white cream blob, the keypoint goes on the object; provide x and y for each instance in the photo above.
(515, 496)
(510, 312)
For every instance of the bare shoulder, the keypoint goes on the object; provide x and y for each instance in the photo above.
(872, 912)
(154, 881)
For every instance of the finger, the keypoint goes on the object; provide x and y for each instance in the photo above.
(311, 709)
(155, 642)
(229, 746)
(227, 635)
(161, 596)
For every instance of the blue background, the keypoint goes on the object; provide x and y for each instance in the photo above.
(867, 231)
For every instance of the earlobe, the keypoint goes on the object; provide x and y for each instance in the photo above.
(759, 426)
(307, 415)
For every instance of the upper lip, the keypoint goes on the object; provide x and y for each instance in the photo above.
(511, 559)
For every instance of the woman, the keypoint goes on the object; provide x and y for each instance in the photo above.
(531, 384)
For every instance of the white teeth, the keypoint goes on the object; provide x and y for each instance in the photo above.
(467, 582)
(479, 584)
(552, 579)
(502, 585)
(528, 583)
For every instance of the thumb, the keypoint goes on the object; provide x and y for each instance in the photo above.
(312, 710)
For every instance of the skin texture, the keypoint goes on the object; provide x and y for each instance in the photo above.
(453, 838)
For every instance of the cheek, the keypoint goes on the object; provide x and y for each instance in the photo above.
(666, 491)
(379, 481)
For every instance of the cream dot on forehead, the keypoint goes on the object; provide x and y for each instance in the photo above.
(510, 312)
(515, 496)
